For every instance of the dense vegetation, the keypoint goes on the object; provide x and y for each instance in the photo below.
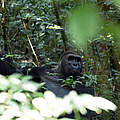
(38, 32)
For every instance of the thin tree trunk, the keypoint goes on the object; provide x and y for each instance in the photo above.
(4, 25)
(63, 35)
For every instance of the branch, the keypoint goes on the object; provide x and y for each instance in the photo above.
(30, 41)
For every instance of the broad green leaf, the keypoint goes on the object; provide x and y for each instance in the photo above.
(83, 24)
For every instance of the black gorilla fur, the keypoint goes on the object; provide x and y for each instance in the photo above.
(6, 68)
(53, 84)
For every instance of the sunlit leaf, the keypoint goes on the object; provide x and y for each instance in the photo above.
(30, 86)
(10, 113)
(25, 78)
(96, 104)
(30, 115)
(4, 97)
(17, 76)
(15, 81)
(66, 119)
(4, 83)
(21, 97)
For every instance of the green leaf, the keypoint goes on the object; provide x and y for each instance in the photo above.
(26, 78)
(117, 2)
(114, 29)
(83, 24)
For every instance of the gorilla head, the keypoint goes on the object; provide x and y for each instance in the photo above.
(70, 64)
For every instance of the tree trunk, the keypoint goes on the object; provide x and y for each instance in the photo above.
(4, 25)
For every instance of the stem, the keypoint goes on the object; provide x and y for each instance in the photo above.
(77, 115)
(30, 42)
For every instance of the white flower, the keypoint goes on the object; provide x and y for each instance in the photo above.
(21, 97)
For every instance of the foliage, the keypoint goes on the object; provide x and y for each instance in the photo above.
(87, 80)
(94, 27)
(24, 104)
(41, 30)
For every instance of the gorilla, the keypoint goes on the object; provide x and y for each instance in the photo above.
(70, 64)
(6, 68)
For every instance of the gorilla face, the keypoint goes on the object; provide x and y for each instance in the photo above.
(75, 62)
(71, 65)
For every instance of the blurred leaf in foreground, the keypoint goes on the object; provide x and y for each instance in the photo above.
(117, 2)
(50, 105)
(83, 24)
